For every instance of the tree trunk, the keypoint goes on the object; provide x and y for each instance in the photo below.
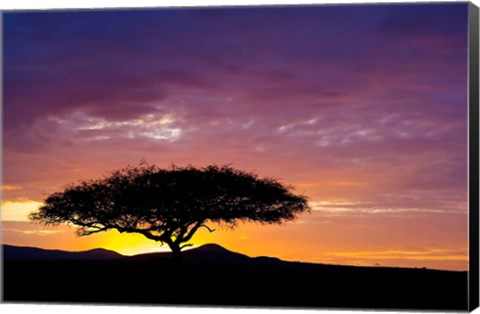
(176, 254)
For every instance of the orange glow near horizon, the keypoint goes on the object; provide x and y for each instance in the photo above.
(335, 245)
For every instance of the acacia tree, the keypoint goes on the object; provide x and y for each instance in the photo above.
(170, 205)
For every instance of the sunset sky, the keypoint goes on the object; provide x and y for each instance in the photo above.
(363, 108)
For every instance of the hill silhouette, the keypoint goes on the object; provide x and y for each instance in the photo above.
(211, 253)
(11, 252)
(213, 275)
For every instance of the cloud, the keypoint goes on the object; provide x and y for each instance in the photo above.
(18, 210)
(41, 232)
(152, 126)
(10, 188)
(436, 254)
(395, 206)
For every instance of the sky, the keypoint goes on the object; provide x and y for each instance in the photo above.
(362, 108)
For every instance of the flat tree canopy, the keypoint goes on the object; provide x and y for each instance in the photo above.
(170, 205)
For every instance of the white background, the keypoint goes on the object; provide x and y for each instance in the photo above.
(77, 309)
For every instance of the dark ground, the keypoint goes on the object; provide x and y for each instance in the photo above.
(232, 280)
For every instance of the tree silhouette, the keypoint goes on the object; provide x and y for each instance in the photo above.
(170, 205)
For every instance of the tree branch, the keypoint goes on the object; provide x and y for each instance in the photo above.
(179, 238)
(145, 233)
(185, 245)
(83, 232)
(208, 228)
(192, 231)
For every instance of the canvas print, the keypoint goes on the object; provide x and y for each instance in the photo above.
(280, 156)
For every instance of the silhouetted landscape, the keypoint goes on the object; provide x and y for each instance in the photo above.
(213, 275)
